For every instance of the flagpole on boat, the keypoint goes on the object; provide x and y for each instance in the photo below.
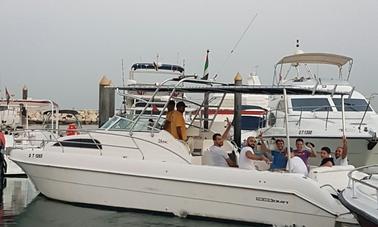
(287, 129)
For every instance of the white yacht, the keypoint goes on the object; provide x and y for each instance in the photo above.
(361, 195)
(129, 163)
(319, 119)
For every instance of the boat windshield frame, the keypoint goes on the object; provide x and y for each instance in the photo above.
(170, 87)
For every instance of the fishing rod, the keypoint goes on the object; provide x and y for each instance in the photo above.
(239, 40)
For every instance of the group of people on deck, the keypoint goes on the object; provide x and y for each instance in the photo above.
(278, 157)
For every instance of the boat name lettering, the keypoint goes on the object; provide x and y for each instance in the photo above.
(270, 200)
(162, 141)
(35, 155)
(305, 132)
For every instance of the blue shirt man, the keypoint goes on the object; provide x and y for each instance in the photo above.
(279, 155)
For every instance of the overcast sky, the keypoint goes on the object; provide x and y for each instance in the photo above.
(60, 49)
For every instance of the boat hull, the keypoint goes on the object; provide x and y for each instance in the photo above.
(156, 186)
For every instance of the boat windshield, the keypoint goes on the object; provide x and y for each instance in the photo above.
(310, 104)
(144, 124)
(352, 104)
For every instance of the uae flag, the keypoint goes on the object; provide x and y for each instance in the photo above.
(7, 96)
(206, 68)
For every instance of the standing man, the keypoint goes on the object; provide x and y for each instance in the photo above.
(279, 155)
(247, 156)
(168, 117)
(341, 153)
(217, 156)
(178, 129)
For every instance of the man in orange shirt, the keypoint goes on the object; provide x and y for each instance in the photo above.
(178, 129)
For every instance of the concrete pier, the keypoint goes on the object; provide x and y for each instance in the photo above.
(106, 106)
(238, 81)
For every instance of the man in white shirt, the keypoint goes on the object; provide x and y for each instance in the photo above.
(247, 156)
(341, 153)
(297, 165)
(217, 156)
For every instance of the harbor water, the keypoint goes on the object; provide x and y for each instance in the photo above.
(22, 205)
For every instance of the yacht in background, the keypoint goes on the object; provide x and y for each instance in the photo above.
(319, 119)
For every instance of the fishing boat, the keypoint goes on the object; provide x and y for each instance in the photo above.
(320, 119)
(361, 195)
(131, 163)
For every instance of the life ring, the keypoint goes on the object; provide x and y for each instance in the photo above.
(72, 130)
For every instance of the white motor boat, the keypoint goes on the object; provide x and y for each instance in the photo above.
(129, 163)
(361, 195)
(320, 119)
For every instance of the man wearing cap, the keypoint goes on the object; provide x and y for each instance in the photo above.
(279, 155)
(177, 121)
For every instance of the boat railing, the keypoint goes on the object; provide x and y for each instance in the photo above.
(301, 115)
(92, 143)
(366, 109)
(369, 171)
(142, 111)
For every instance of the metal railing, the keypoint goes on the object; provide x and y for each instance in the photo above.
(370, 171)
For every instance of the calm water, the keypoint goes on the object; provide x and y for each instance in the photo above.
(22, 206)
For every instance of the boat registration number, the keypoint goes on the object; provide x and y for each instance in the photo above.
(305, 132)
(32, 155)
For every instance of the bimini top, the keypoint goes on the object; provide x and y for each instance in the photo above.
(316, 58)
(157, 67)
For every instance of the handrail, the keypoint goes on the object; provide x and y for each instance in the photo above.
(366, 109)
(361, 181)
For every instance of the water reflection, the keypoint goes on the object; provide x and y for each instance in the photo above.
(15, 196)
(21, 206)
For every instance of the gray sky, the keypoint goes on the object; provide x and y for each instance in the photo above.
(60, 49)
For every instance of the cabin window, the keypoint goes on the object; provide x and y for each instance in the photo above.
(311, 104)
(252, 122)
(352, 104)
(82, 143)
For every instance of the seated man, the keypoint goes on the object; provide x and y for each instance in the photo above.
(217, 156)
(247, 156)
(341, 153)
(279, 155)
(325, 155)
(296, 165)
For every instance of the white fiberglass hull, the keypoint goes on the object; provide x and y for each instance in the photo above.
(182, 189)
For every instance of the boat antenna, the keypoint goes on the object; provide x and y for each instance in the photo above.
(240, 39)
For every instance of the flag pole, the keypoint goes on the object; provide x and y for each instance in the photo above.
(206, 95)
